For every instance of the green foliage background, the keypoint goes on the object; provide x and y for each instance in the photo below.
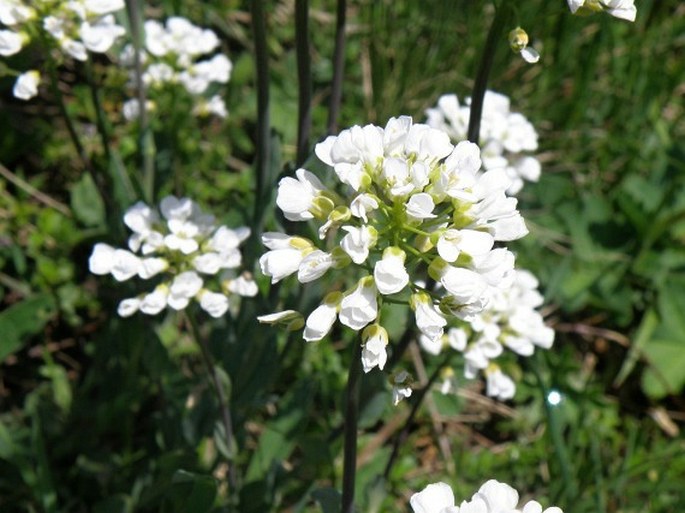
(115, 415)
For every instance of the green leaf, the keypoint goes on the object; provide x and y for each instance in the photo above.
(192, 492)
(86, 202)
(665, 352)
(22, 320)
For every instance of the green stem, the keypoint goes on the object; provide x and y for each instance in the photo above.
(100, 116)
(71, 128)
(402, 436)
(304, 79)
(480, 85)
(350, 436)
(338, 67)
(556, 434)
(145, 139)
(218, 389)
(410, 228)
(263, 150)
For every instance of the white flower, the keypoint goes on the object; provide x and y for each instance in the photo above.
(464, 285)
(152, 266)
(214, 106)
(435, 498)
(375, 339)
(74, 48)
(492, 497)
(10, 42)
(452, 242)
(357, 242)
(478, 355)
(243, 285)
(498, 496)
(623, 9)
(286, 255)
(456, 338)
(101, 259)
(321, 320)
(289, 319)
(155, 301)
(362, 204)
(131, 108)
(295, 197)
(389, 273)
(400, 388)
(431, 345)
(13, 12)
(103, 6)
(348, 151)
(184, 287)
(420, 206)
(100, 36)
(128, 307)
(428, 319)
(213, 303)
(314, 266)
(498, 384)
(125, 265)
(359, 307)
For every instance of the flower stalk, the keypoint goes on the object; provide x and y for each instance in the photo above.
(145, 139)
(263, 150)
(338, 67)
(481, 83)
(218, 390)
(304, 79)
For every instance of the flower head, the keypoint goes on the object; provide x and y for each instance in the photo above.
(506, 137)
(184, 246)
(509, 320)
(175, 54)
(492, 497)
(408, 204)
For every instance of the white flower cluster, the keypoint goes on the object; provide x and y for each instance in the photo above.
(413, 203)
(78, 26)
(171, 57)
(510, 320)
(184, 243)
(505, 136)
(492, 497)
(622, 9)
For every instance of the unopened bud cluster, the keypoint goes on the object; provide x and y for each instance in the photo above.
(175, 54)
(412, 206)
(184, 246)
(74, 26)
(506, 138)
(509, 321)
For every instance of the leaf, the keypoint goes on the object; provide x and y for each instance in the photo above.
(665, 351)
(86, 202)
(328, 499)
(665, 375)
(192, 492)
(644, 333)
(22, 320)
